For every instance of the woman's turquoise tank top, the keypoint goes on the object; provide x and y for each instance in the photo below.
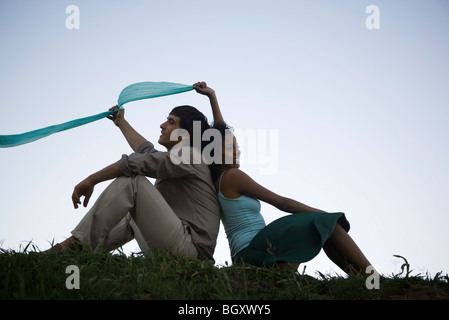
(241, 219)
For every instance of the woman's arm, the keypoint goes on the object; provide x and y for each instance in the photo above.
(235, 182)
(202, 88)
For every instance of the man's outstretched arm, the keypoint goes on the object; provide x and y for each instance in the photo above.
(134, 138)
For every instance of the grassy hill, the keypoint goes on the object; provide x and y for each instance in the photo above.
(24, 275)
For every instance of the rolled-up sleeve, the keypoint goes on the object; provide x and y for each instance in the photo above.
(123, 163)
(146, 147)
(152, 163)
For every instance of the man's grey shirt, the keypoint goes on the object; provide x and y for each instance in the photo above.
(187, 187)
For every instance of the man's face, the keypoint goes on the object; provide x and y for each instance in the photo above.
(167, 127)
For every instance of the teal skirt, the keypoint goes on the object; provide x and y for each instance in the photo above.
(294, 238)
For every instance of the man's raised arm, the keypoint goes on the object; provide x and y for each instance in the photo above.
(132, 136)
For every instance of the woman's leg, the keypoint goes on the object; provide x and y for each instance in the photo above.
(292, 266)
(344, 252)
(338, 259)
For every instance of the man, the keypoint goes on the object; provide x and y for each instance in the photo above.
(180, 213)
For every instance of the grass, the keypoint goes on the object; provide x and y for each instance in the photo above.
(26, 275)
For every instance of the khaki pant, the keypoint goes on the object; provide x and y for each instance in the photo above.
(132, 208)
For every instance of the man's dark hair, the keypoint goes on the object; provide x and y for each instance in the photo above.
(188, 115)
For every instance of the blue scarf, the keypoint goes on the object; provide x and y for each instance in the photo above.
(136, 91)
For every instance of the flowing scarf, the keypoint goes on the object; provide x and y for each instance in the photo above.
(136, 91)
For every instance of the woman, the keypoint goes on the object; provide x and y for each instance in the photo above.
(287, 241)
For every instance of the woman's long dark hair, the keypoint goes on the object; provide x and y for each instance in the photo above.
(188, 115)
(216, 168)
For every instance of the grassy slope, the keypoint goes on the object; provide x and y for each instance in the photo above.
(117, 276)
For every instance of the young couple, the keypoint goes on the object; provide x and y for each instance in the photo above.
(180, 213)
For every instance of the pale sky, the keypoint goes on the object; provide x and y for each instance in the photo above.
(359, 116)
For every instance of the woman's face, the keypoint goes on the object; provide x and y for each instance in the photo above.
(230, 152)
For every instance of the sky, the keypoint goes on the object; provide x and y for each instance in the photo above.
(334, 108)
